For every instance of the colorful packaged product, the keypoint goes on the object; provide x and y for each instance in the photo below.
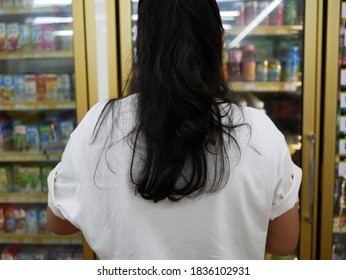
(30, 88)
(23, 253)
(1, 87)
(3, 37)
(8, 88)
(9, 252)
(64, 87)
(48, 40)
(2, 219)
(19, 3)
(45, 170)
(32, 138)
(66, 128)
(52, 87)
(31, 221)
(4, 179)
(42, 221)
(6, 133)
(45, 136)
(12, 36)
(41, 88)
(37, 34)
(20, 220)
(20, 137)
(21, 179)
(49, 138)
(7, 3)
(19, 87)
(35, 179)
(10, 220)
(25, 37)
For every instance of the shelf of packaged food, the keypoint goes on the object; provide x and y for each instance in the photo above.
(30, 10)
(267, 30)
(34, 106)
(266, 86)
(36, 54)
(30, 156)
(23, 198)
(13, 238)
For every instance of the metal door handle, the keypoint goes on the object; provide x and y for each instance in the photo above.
(311, 175)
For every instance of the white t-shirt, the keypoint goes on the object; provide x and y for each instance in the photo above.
(91, 187)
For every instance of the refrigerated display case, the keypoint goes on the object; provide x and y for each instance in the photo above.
(272, 61)
(43, 95)
(333, 181)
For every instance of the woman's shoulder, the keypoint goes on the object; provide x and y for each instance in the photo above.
(265, 136)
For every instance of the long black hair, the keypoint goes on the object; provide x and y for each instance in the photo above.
(178, 77)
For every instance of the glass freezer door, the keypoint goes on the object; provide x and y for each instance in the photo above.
(263, 61)
(37, 115)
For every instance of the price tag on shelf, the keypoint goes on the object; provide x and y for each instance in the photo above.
(343, 77)
(342, 121)
(343, 100)
(342, 146)
(342, 169)
(343, 10)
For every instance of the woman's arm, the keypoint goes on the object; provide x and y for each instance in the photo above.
(283, 233)
(59, 226)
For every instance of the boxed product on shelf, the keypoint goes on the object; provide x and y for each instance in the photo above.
(20, 220)
(41, 88)
(20, 137)
(30, 88)
(2, 219)
(45, 170)
(19, 87)
(35, 87)
(32, 138)
(9, 252)
(4, 179)
(64, 87)
(3, 37)
(8, 88)
(65, 129)
(25, 37)
(7, 3)
(10, 219)
(52, 87)
(31, 221)
(42, 221)
(27, 179)
(6, 133)
(12, 36)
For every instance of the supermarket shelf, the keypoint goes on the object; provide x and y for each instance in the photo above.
(266, 86)
(13, 238)
(267, 30)
(29, 157)
(36, 54)
(23, 198)
(34, 106)
(30, 10)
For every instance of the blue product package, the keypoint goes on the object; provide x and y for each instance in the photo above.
(32, 138)
(19, 87)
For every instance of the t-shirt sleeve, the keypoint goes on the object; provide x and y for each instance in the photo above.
(286, 193)
(64, 195)
(62, 188)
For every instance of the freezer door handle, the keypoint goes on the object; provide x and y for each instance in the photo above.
(311, 175)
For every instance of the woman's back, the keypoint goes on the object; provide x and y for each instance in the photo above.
(231, 223)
